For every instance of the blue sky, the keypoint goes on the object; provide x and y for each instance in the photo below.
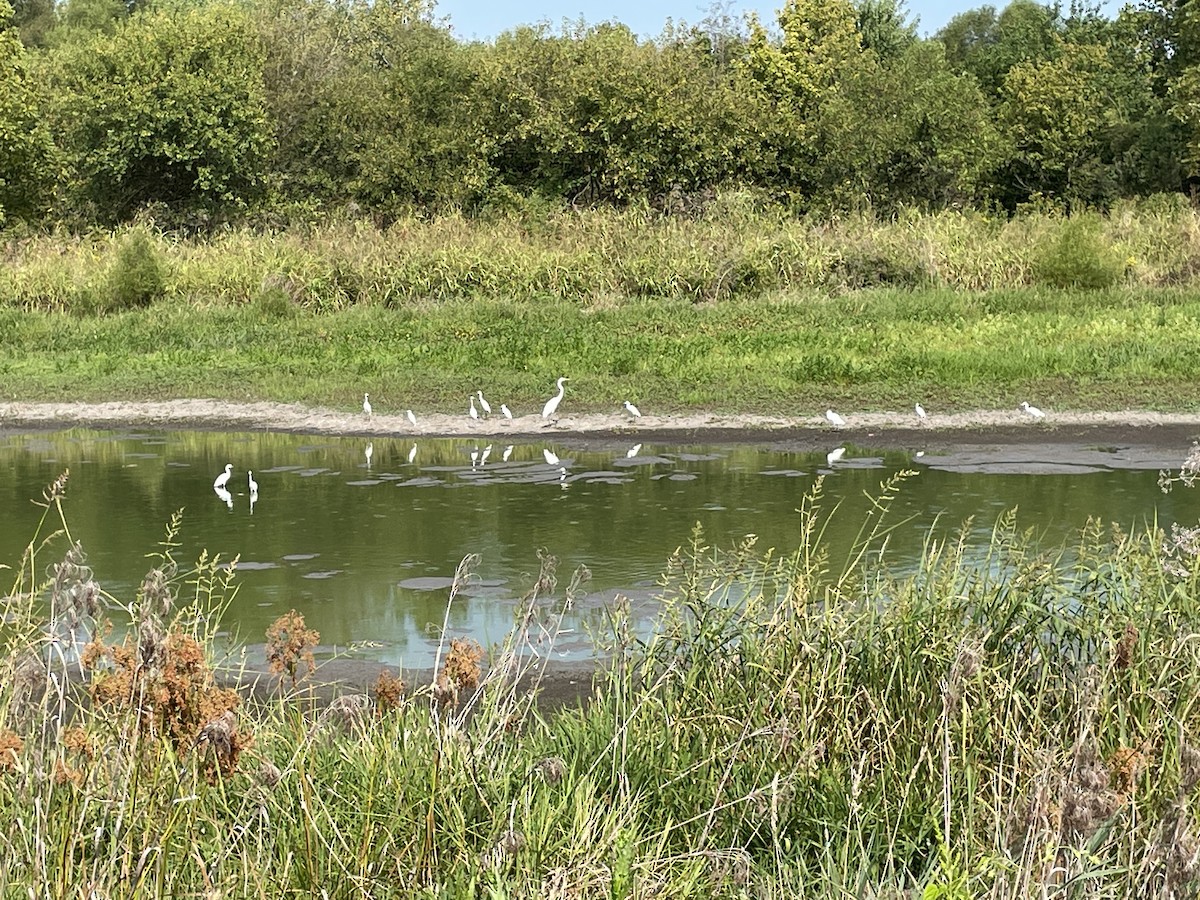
(487, 18)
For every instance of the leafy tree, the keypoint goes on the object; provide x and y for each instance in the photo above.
(168, 109)
(884, 26)
(1056, 112)
(26, 149)
(795, 76)
(599, 115)
(33, 20)
(908, 133)
(988, 45)
(371, 103)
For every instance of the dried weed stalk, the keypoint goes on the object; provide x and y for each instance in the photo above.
(290, 647)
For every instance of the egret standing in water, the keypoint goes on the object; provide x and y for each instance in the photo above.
(633, 451)
(473, 413)
(633, 410)
(412, 454)
(834, 419)
(506, 411)
(507, 453)
(484, 405)
(1032, 410)
(551, 457)
(368, 453)
(920, 411)
(411, 417)
(487, 451)
(223, 478)
(367, 404)
(251, 483)
(834, 455)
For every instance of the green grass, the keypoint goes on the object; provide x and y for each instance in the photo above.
(1015, 726)
(742, 309)
(875, 350)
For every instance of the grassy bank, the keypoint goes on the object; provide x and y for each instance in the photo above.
(741, 309)
(870, 350)
(1019, 728)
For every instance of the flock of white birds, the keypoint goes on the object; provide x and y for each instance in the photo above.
(549, 414)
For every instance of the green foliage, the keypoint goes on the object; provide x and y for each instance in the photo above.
(27, 158)
(136, 277)
(1077, 257)
(167, 110)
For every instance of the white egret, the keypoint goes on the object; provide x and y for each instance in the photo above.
(834, 455)
(474, 413)
(834, 419)
(367, 404)
(484, 405)
(633, 451)
(551, 457)
(633, 410)
(1032, 410)
(474, 457)
(920, 411)
(251, 483)
(552, 404)
(223, 478)
(411, 417)
(412, 454)
(368, 453)
(506, 411)
(487, 451)
(507, 453)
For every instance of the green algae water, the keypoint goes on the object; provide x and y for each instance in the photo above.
(363, 536)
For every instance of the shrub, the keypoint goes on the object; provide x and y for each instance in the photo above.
(1077, 257)
(136, 278)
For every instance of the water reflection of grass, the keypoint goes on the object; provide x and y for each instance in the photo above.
(1006, 729)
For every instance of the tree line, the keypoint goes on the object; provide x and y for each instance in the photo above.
(206, 111)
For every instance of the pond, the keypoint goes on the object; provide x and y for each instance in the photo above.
(363, 536)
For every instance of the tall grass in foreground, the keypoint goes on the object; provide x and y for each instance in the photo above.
(1018, 726)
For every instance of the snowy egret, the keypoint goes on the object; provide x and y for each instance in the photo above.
(368, 453)
(920, 411)
(484, 405)
(367, 404)
(507, 453)
(412, 454)
(223, 478)
(834, 455)
(507, 412)
(1032, 410)
(411, 417)
(834, 419)
(474, 413)
(633, 410)
(551, 457)
(487, 451)
(633, 451)
(251, 483)
(552, 404)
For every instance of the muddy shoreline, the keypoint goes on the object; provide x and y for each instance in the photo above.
(884, 429)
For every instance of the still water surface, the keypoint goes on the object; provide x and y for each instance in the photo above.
(365, 544)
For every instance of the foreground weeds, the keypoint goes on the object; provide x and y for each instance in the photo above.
(1025, 724)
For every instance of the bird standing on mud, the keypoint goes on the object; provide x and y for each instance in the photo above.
(1032, 410)
(633, 410)
(834, 419)
(367, 404)
(552, 404)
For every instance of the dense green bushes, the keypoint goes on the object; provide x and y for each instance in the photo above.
(207, 111)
